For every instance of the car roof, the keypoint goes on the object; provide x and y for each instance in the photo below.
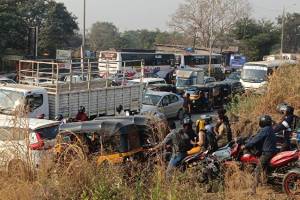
(31, 123)
(108, 126)
(159, 93)
(146, 80)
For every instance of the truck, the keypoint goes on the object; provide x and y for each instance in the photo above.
(53, 97)
(188, 77)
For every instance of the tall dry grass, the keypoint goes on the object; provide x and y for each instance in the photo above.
(283, 86)
(82, 179)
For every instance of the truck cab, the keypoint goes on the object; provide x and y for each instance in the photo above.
(16, 96)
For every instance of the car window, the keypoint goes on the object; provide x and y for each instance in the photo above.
(165, 100)
(173, 98)
(34, 101)
(48, 132)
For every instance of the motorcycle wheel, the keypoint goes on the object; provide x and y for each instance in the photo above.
(291, 184)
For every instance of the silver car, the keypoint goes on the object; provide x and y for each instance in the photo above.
(170, 104)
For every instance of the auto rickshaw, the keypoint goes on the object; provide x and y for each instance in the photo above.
(109, 140)
(205, 97)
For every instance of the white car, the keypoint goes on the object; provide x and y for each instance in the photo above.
(170, 104)
(25, 141)
(7, 80)
(147, 81)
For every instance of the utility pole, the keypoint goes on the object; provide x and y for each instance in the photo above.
(36, 41)
(210, 37)
(83, 39)
(282, 33)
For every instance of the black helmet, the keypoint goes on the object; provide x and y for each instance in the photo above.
(81, 109)
(289, 110)
(206, 118)
(265, 120)
(59, 117)
(187, 121)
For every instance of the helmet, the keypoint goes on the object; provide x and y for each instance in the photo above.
(289, 110)
(265, 120)
(206, 118)
(81, 109)
(187, 121)
(59, 117)
(284, 108)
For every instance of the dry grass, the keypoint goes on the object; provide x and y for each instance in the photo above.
(284, 86)
(84, 180)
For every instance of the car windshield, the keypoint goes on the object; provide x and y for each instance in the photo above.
(156, 82)
(192, 91)
(151, 99)
(183, 82)
(234, 76)
(10, 99)
(255, 75)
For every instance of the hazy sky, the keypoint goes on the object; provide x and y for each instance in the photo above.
(151, 14)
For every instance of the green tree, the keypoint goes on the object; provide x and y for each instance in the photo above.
(291, 39)
(256, 38)
(57, 28)
(13, 28)
(103, 35)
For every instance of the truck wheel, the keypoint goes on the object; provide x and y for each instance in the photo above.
(180, 114)
(291, 183)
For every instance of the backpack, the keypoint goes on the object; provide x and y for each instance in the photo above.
(211, 143)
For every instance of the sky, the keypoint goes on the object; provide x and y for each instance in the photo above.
(152, 14)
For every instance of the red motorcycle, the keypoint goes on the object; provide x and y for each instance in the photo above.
(284, 167)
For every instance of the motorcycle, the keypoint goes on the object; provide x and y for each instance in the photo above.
(284, 167)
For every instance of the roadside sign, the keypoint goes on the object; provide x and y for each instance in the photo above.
(63, 54)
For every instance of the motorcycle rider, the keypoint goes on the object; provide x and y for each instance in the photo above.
(81, 115)
(285, 125)
(181, 140)
(222, 129)
(265, 142)
(207, 139)
(60, 119)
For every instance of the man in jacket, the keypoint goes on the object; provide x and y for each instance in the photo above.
(265, 142)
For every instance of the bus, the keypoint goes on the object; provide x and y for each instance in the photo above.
(130, 61)
(255, 74)
(202, 61)
(237, 61)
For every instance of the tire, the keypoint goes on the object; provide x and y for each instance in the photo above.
(291, 184)
(180, 115)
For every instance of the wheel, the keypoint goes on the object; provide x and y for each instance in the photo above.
(180, 114)
(291, 183)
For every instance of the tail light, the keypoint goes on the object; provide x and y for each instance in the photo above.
(35, 141)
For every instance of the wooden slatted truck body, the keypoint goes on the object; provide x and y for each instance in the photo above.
(44, 92)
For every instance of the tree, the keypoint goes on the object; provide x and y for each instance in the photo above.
(103, 35)
(13, 29)
(207, 20)
(57, 28)
(291, 39)
(256, 38)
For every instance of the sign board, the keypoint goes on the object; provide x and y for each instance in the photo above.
(63, 54)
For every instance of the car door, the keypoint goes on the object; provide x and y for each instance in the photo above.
(175, 105)
(165, 106)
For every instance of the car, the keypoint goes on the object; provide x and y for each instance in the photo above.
(6, 80)
(236, 76)
(147, 81)
(26, 141)
(208, 79)
(170, 104)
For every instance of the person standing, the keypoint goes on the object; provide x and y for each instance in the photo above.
(222, 129)
(187, 105)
